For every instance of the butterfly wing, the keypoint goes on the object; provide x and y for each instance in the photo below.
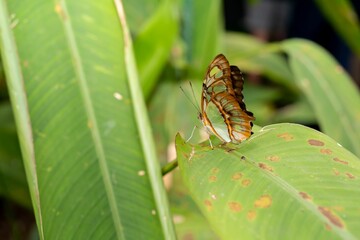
(223, 111)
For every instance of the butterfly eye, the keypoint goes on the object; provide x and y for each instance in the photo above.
(216, 72)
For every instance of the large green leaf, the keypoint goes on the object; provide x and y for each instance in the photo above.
(344, 19)
(84, 137)
(285, 182)
(330, 91)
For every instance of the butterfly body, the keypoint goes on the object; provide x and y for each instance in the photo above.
(223, 112)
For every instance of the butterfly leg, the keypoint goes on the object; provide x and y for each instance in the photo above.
(212, 147)
(226, 146)
(192, 134)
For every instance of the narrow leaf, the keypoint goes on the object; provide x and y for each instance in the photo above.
(333, 96)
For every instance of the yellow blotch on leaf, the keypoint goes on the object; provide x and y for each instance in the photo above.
(245, 182)
(212, 178)
(264, 201)
(273, 158)
(235, 206)
(236, 176)
(208, 204)
(251, 215)
(286, 136)
(326, 151)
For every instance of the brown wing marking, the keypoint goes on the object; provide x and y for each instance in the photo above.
(228, 101)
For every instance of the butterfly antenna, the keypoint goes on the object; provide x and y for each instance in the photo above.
(191, 101)
(193, 94)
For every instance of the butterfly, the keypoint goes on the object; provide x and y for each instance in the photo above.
(223, 112)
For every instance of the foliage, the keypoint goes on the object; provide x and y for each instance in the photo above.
(88, 150)
(284, 172)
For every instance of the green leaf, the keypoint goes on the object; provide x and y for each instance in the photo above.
(298, 112)
(285, 182)
(252, 55)
(153, 44)
(344, 19)
(138, 13)
(83, 130)
(333, 96)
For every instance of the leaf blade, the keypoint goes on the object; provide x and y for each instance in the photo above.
(251, 189)
(80, 110)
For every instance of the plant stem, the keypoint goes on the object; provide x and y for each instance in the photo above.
(169, 167)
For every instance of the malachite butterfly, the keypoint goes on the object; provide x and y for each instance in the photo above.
(223, 112)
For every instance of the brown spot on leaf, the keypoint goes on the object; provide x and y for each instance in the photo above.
(349, 175)
(208, 204)
(273, 158)
(340, 161)
(263, 202)
(212, 178)
(325, 151)
(315, 142)
(336, 172)
(265, 167)
(234, 206)
(245, 182)
(243, 157)
(215, 170)
(236, 176)
(251, 215)
(305, 196)
(331, 217)
(286, 136)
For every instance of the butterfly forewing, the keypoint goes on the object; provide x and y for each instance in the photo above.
(223, 111)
